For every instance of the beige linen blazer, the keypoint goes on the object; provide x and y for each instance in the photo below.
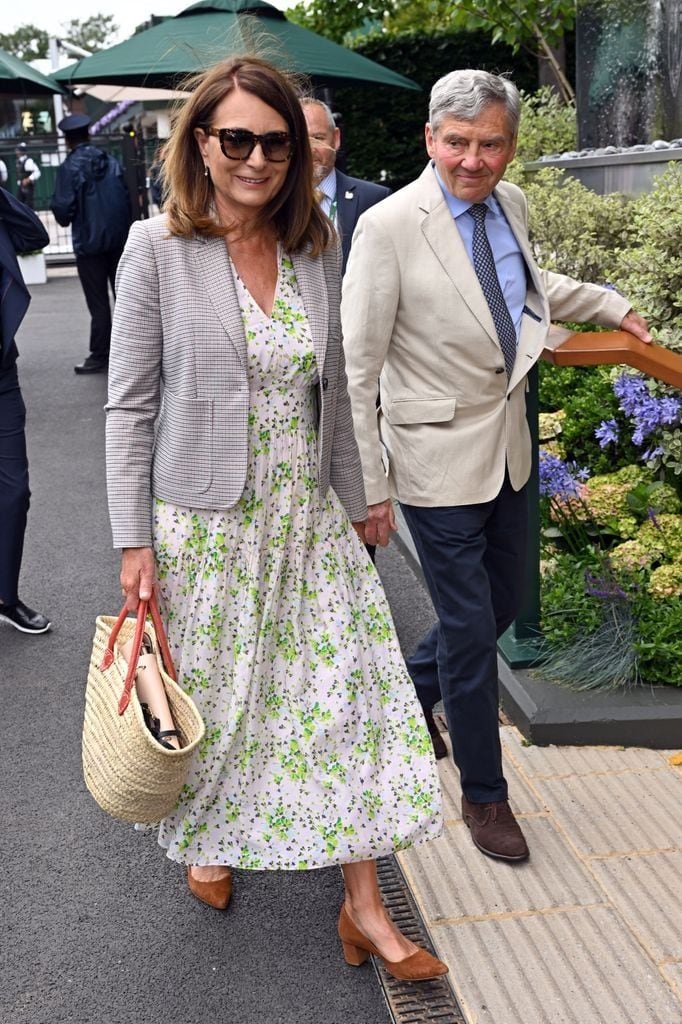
(178, 383)
(413, 313)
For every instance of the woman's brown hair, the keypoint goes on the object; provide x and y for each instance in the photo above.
(296, 214)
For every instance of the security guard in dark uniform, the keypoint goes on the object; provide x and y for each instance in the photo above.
(20, 231)
(91, 195)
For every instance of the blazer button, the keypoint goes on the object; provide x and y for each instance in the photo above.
(325, 382)
(500, 369)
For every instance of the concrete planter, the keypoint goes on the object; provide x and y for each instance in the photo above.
(33, 268)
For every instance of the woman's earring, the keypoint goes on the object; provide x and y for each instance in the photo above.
(206, 170)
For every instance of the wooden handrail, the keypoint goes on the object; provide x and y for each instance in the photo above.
(612, 348)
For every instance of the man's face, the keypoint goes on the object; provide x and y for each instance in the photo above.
(323, 141)
(472, 156)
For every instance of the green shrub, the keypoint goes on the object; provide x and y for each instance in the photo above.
(548, 125)
(649, 268)
(585, 394)
(657, 644)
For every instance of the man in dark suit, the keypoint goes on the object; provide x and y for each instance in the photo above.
(20, 231)
(342, 198)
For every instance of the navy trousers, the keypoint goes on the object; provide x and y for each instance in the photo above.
(473, 560)
(14, 490)
(97, 274)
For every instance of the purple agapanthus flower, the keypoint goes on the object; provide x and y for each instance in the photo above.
(648, 412)
(607, 433)
(630, 391)
(559, 479)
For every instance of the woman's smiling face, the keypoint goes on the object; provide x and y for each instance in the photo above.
(243, 187)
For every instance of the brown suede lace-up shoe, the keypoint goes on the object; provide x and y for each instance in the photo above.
(439, 748)
(495, 830)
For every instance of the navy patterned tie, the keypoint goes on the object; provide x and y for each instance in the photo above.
(484, 265)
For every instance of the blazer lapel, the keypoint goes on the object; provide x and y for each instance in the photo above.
(211, 254)
(313, 288)
(442, 235)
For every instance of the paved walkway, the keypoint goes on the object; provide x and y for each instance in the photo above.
(589, 930)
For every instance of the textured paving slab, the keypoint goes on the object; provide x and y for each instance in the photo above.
(673, 973)
(455, 881)
(544, 762)
(577, 967)
(618, 813)
(647, 890)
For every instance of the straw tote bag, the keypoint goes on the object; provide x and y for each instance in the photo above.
(128, 772)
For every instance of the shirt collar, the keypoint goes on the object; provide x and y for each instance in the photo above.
(328, 185)
(459, 206)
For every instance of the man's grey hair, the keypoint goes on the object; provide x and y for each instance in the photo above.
(311, 101)
(466, 93)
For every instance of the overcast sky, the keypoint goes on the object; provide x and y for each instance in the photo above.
(128, 14)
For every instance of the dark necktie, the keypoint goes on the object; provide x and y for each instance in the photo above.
(484, 265)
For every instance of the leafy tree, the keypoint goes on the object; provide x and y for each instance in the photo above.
(335, 19)
(28, 42)
(93, 33)
(344, 20)
(535, 25)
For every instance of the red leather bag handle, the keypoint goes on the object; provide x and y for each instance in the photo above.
(144, 609)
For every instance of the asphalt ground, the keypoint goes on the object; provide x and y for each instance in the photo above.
(97, 925)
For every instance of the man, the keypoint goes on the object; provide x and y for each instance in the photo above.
(28, 173)
(20, 231)
(443, 298)
(90, 194)
(343, 199)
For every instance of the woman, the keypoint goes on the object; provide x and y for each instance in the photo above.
(240, 506)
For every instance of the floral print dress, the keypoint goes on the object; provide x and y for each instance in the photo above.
(316, 751)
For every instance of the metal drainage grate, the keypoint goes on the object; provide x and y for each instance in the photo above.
(412, 1002)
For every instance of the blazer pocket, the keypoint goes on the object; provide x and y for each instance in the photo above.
(182, 453)
(419, 410)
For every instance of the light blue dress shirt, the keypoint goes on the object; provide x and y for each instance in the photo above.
(510, 265)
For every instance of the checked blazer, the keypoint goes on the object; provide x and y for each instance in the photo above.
(178, 386)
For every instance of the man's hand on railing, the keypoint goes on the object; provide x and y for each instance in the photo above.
(635, 324)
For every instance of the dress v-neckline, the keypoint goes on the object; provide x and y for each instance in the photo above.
(257, 305)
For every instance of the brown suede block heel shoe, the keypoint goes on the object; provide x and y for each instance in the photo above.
(420, 966)
(214, 894)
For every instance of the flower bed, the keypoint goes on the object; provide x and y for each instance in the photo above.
(611, 439)
(611, 578)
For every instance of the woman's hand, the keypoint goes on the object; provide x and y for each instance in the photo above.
(359, 528)
(138, 576)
